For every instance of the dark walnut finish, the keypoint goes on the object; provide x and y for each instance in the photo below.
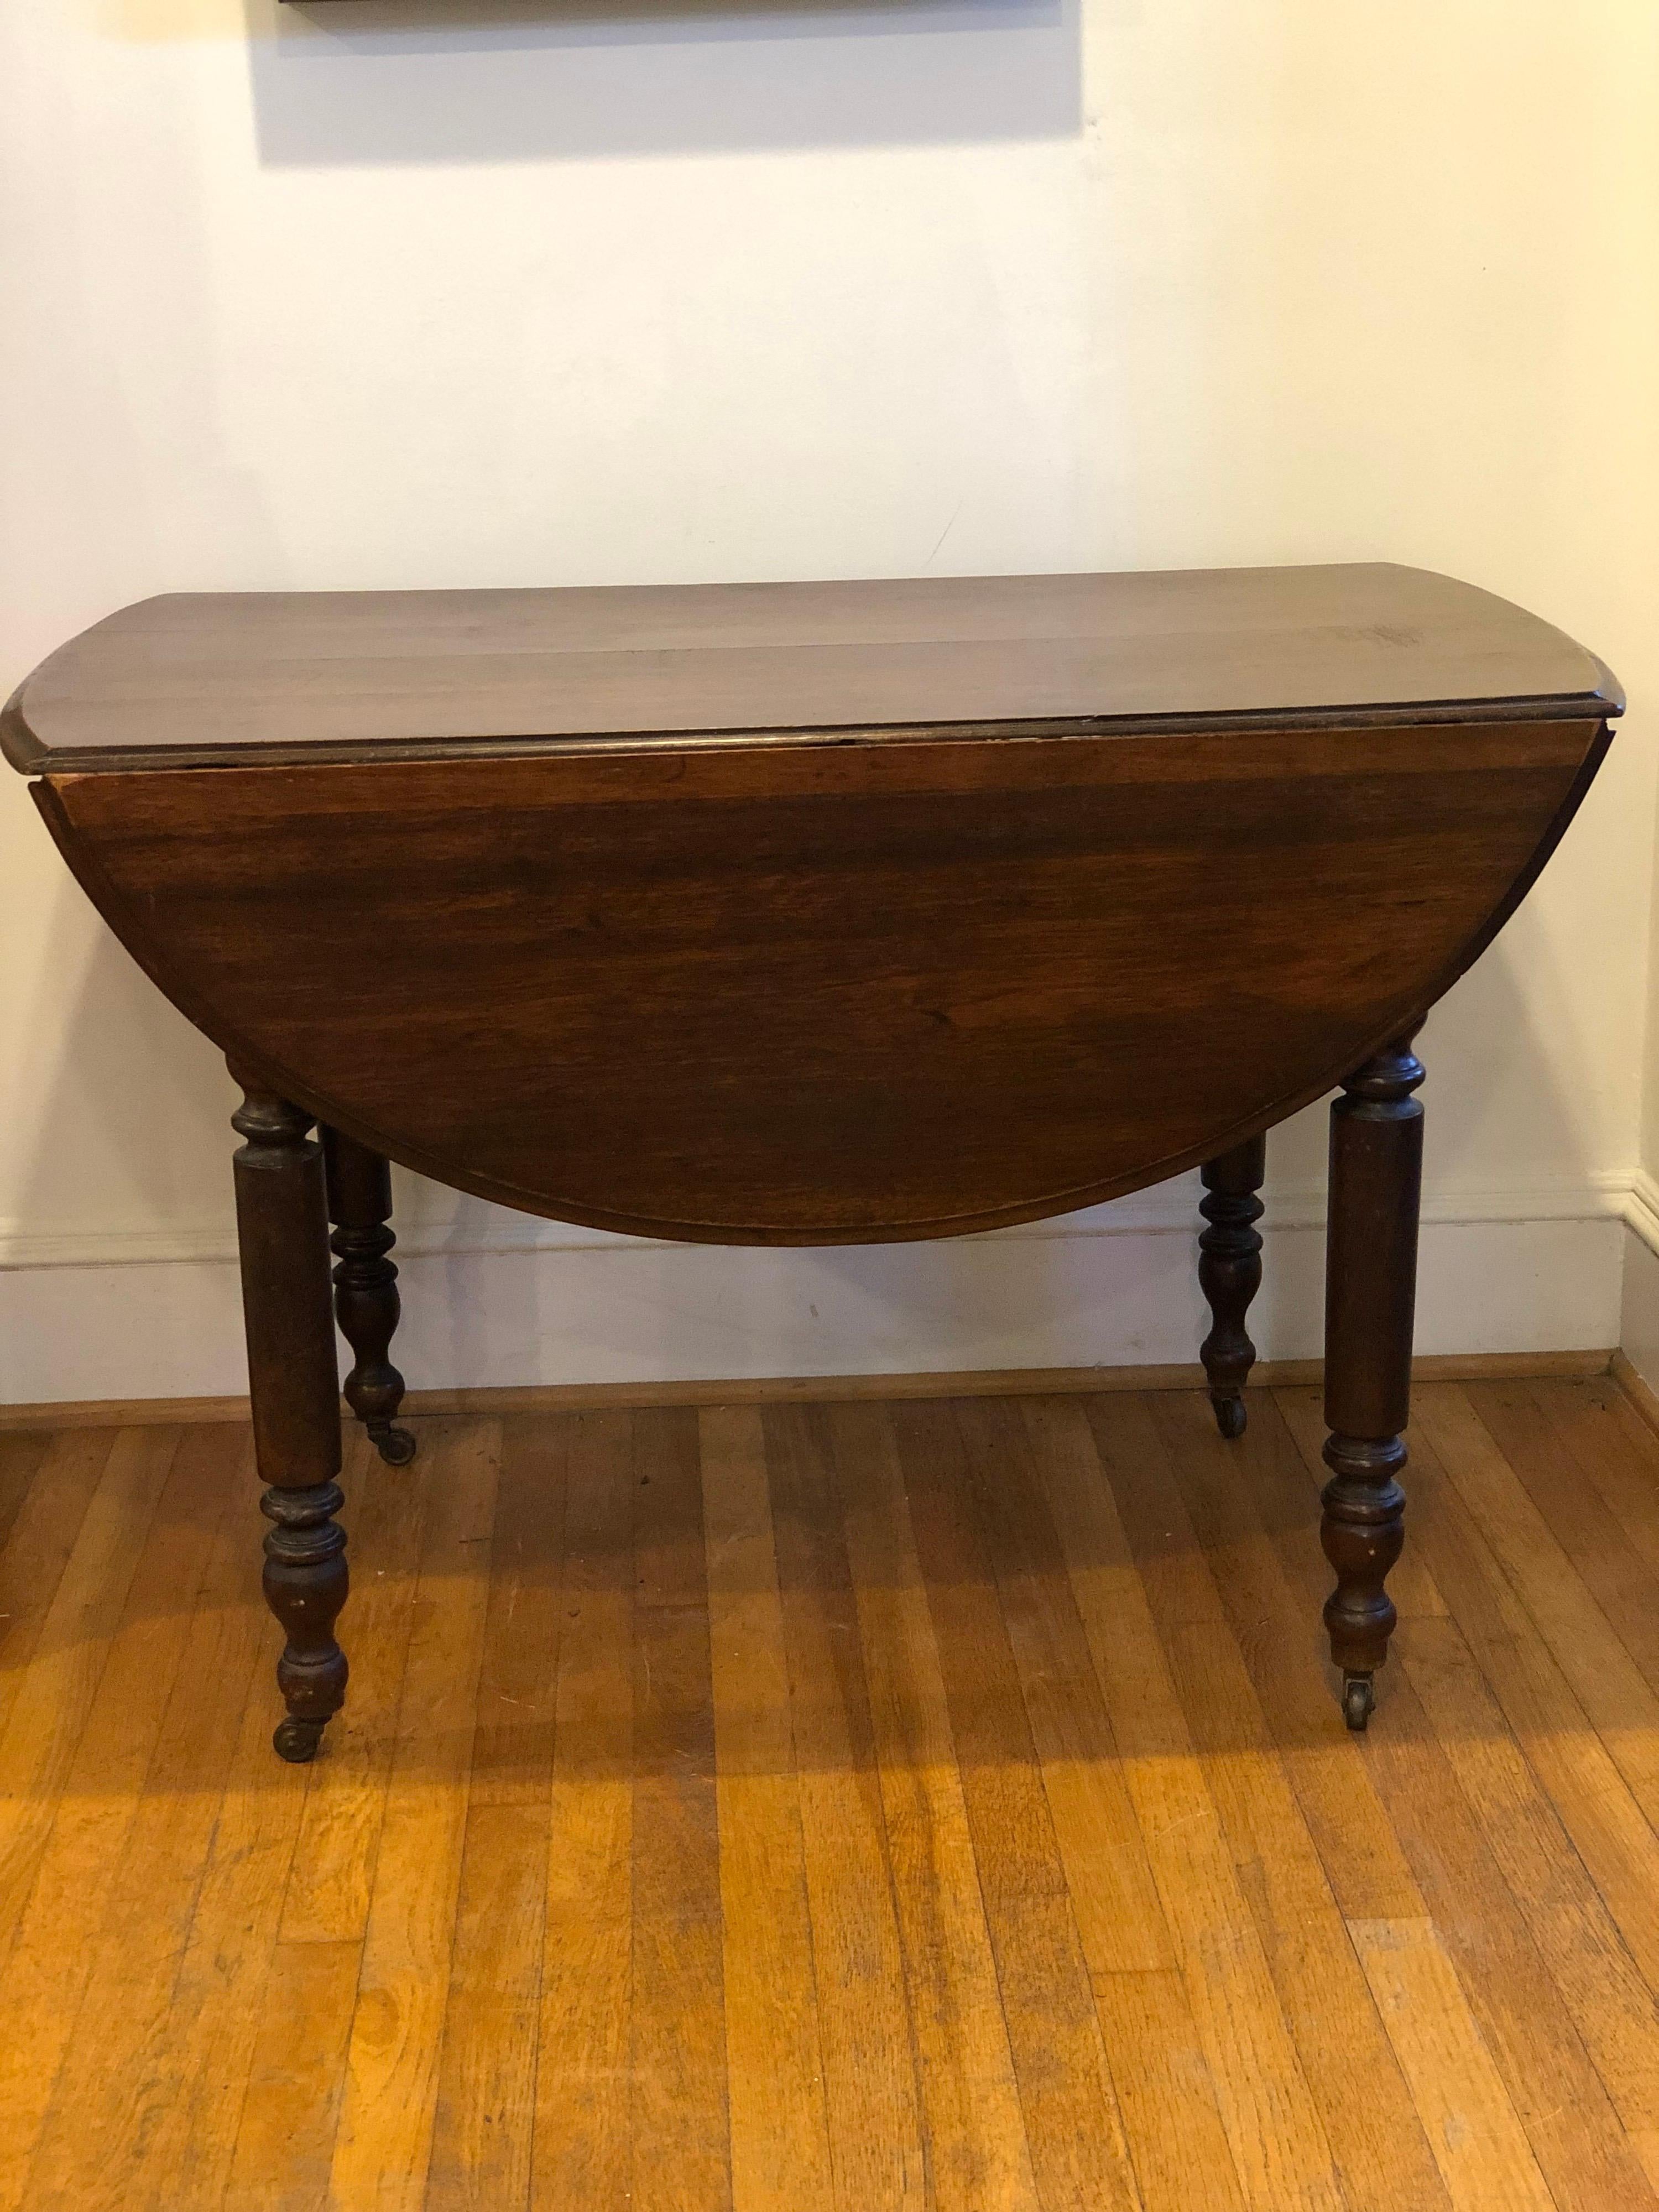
(1229, 1273)
(303, 676)
(1371, 1285)
(821, 994)
(365, 1302)
(281, 1228)
(813, 913)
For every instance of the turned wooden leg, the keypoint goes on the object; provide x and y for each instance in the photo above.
(1370, 1286)
(281, 1226)
(1229, 1273)
(365, 1302)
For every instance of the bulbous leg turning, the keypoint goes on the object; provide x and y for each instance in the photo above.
(1230, 1274)
(365, 1302)
(294, 1381)
(1363, 1534)
(1371, 1288)
(305, 1585)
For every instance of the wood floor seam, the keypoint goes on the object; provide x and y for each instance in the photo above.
(922, 1806)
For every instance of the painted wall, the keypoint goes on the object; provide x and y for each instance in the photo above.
(454, 292)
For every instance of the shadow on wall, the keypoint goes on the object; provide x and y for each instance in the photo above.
(388, 81)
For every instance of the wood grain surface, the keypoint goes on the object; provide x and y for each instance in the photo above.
(789, 993)
(939, 1805)
(287, 675)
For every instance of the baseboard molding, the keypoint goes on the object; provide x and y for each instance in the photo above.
(1640, 1210)
(1640, 1394)
(434, 1225)
(812, 1389)
(638, 1316)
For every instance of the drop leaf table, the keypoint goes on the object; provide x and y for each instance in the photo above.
(811, 914)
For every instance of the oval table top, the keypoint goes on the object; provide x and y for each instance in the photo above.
(813, 913)
(239, 676)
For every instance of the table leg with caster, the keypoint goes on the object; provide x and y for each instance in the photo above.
(365, 1302)
(282, 1226)
(1371, 1287)
(1229, 1273)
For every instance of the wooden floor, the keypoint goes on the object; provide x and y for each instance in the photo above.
(859, 1806)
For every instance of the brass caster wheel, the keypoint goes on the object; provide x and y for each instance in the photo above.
(298, 1741)
(395, 1446)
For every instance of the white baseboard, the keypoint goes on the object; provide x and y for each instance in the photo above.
(1638, 1325)
(493, 1300)
(432, 1221)
(1640, 1210)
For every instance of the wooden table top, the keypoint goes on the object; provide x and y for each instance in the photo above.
(702, 912)
(214, 679)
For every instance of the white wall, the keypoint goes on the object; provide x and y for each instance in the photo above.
(446, 291)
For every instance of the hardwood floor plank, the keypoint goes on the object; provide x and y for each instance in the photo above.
(67, 1652)
(22, 1453)
(680, 2123)
(290, 2112)
(1079, 2156)
(1382, 2158)
(1612, 1570)
(940, 1807)
(1606, 1680)
(1129, 1559)
(1615, 1450)
(483, 2123)
(384, 2143)
(1171, 2117)
(125, 2060)
(978, 2157)
(39, 1546)
(502, 1400)
(60, 1897)
(872, 2110)
(1177, 2142)
(580, 2152)
(1615, 2009)
(123, 1712)
(1281, 1774)
(1229, 1490)
(483, 2129)
(1522, 2015)
(224, 1981)
(1115, 1900)
(518, 1678)
(1480, 2144)
(1608, 1828)
(775, 2065)
(1274, 1747)
(385, 1516)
